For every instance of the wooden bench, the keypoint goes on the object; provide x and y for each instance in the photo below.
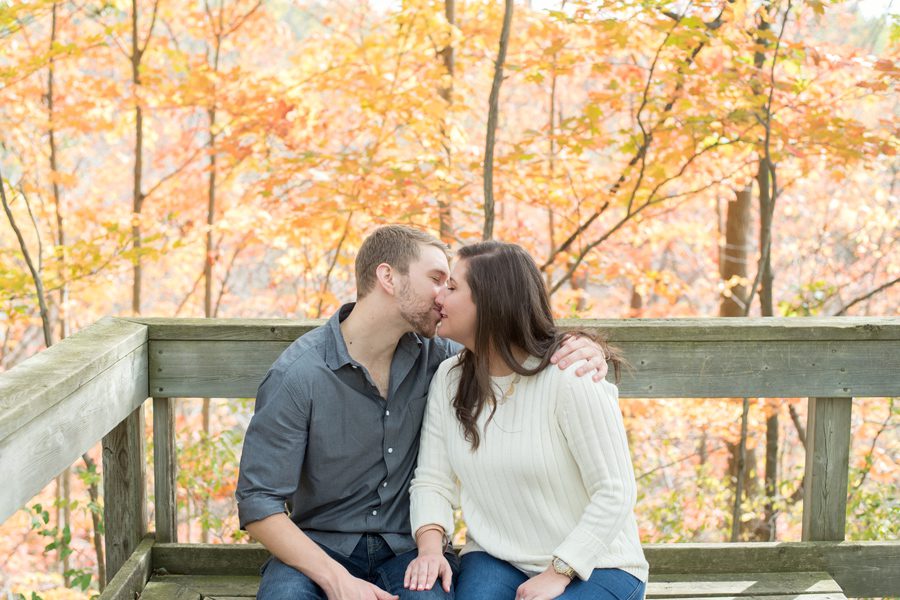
(94, 385)
(722, 586)
(770, 571)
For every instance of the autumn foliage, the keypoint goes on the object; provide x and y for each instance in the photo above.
(226, 158)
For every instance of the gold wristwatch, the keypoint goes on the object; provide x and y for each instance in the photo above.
(562, 567)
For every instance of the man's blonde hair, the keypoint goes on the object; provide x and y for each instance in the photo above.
(396, 245)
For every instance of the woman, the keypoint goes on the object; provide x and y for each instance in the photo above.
(536, 457)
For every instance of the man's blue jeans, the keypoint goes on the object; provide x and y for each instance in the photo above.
(483, 577)
(372, 560)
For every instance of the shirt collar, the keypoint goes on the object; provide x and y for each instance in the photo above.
(337, 354)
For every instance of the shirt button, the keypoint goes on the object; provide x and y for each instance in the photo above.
(390, 450)
(387, 413)
(374, 513)
(384, 484)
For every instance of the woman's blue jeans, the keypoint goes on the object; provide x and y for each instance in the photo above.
(483, 577)
(372, 560)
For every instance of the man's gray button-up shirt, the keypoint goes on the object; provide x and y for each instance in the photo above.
(324, 443)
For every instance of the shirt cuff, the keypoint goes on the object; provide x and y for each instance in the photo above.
(425, 509)
(257, 508)
(581, 551)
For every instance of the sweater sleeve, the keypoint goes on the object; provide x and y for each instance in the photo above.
(434, 492)
(591, 421)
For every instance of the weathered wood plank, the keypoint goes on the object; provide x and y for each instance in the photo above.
(40, 449)
(124, 490)
(32, 387)
(210, 559)
(862, 573)
(862, 569)
(133, 575)
(214, 585)
(740, 584)
(158, 590)
(619, 330)
(835, 596)
(746, 585)
(197, 369)
(165, 469)
(204, 374)
(827, 463)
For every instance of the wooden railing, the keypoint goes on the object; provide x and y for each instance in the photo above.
(58, 404)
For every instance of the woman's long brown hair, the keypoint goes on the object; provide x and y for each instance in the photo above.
(512, 311)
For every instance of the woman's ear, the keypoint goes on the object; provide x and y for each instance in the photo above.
(384, 273)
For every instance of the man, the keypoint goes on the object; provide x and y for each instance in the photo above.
(336, 430)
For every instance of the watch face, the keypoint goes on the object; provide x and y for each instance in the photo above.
(562, 567)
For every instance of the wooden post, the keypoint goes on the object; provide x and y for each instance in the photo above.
(124, 491)
(164, 469)
(827, 464)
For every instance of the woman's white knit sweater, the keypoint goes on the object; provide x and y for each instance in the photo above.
(552, 476)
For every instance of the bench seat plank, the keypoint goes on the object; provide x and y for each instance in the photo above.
(718, 586)
(211, 585)
(164, 590)
(782, 597)
(741, 585)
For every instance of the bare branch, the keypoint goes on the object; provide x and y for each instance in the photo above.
(493, 109)
(871, 452)
(801, 432)
(334, 260)
(174, 172)
(149, 31)
(37, 230)
(240, 22)
(647, 203)
(766, 246)
(866, 296)
(35, 274)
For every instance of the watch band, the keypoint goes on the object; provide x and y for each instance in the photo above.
(562, 567)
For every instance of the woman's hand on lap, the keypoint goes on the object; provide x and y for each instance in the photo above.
(546, 586)
(425, 569)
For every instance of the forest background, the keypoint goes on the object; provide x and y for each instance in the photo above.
(225, 158)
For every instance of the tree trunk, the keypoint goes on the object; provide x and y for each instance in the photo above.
(137, 197)
(211, 250)
(66, 517)
(767, 531)
(63, 488)
(740, 469)
(636, 304)
(765, 234)
(445, 216)
(764, 176)
(733, 264)
(551, 162)
(63, 293)
(493, 110)
(734, 258)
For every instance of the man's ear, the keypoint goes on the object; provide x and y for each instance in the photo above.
(384, 273)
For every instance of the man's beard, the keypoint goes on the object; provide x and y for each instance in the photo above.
(421, 317)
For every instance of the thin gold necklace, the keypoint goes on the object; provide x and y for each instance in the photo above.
(509, 390)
